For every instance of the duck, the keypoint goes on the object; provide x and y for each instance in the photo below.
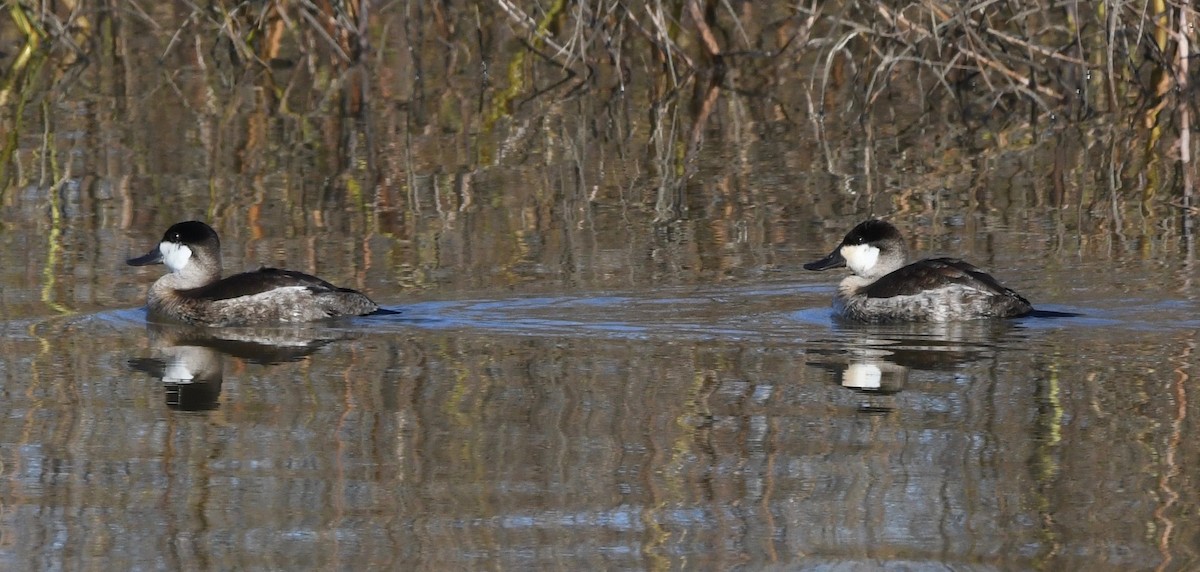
(884, 287)
(194, 292)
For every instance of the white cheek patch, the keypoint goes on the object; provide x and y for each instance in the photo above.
(175, 255)
(860, 258)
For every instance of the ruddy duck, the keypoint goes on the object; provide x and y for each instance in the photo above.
(194, 291)
(884, 289)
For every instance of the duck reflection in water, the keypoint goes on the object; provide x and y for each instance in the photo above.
(190, 360)
(880, 362)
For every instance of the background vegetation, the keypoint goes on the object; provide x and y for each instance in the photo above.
(1078, 57)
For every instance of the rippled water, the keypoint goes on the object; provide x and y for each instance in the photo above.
(606, 354)
(697, 427)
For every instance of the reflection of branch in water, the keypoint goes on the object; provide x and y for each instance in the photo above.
(663, 137)
(676, 167)
(1184, 105)
(1171, 471)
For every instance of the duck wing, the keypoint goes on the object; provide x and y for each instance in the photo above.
(933, 273)
(259, 281)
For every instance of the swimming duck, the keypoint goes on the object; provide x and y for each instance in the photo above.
(885, 288)
(194, 292)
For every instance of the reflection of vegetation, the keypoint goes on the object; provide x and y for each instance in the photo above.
(320, 109)
(31, 32)
(999, 63)
(262, 32)
(15, 91)
(1083, 56)
(1001, 52)
(54, 237)
(14, 84)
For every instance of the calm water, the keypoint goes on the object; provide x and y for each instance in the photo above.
(606, 354)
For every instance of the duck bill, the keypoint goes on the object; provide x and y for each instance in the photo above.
(153, 257)
(834, 260)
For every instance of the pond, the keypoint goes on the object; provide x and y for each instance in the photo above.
(605, 352)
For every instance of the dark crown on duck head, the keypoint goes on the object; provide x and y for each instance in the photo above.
(873, 230)
(191, 232)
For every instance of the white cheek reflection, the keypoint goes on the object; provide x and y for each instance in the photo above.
(175, 256)
(862, 376)
(177, 371)
(860, 258)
